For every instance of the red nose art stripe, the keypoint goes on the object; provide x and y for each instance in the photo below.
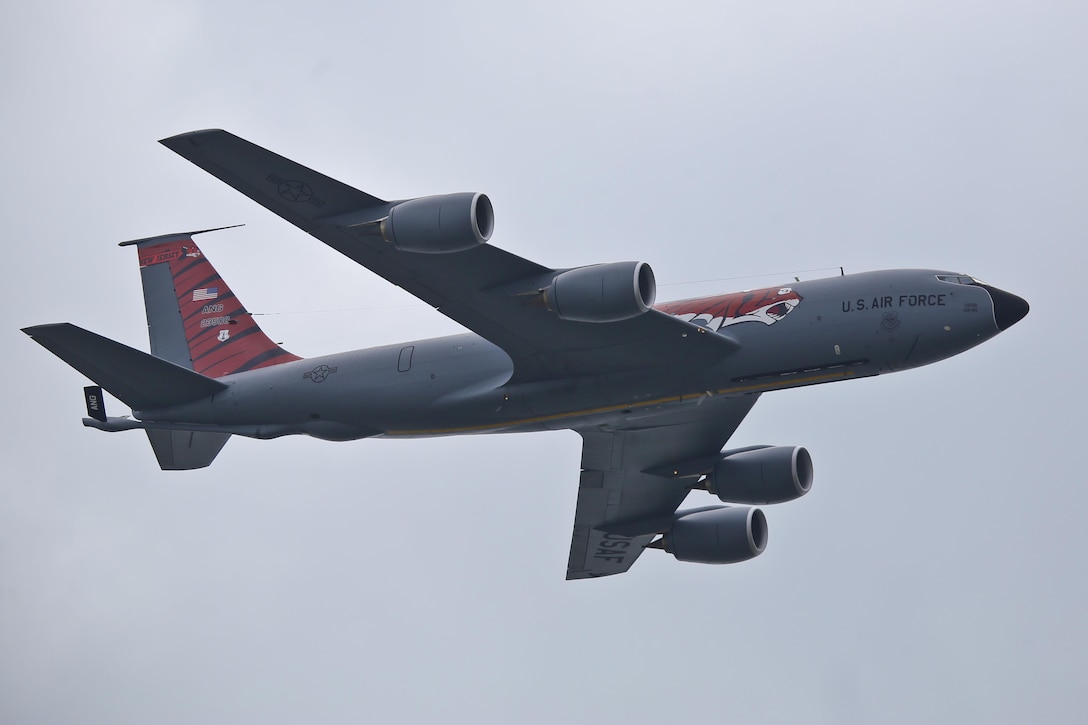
(737, 306)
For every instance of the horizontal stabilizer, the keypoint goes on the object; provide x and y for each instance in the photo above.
(183, 450)
(141, 381)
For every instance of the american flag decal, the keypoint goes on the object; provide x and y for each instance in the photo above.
(208, 293)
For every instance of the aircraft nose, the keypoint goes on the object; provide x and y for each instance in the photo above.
(1008, 308)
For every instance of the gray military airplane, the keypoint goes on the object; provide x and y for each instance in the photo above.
(654, 391)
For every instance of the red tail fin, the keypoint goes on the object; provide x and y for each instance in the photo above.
(190, 307)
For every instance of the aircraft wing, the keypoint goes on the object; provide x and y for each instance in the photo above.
(472, 287)
(619, 503)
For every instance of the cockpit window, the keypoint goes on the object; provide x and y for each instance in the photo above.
(958, 279)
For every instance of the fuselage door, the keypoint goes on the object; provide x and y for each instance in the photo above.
(404, 362)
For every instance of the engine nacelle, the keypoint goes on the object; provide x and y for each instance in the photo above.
(718, 536)
(440, 224)
(602, 292)
(763, 475)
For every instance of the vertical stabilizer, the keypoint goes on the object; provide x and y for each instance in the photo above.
(193, 318)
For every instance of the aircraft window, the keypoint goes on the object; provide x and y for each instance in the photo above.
(957, 279)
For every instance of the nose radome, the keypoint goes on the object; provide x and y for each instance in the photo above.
(1008, 308)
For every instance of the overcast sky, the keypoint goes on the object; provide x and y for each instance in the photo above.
(936, 572)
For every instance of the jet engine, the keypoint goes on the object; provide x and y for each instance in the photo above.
(717, 536)
(602, 292)
(440, 224)
(762, 475)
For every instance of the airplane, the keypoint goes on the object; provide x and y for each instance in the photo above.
(654, 390)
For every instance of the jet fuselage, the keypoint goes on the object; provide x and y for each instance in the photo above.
(806, 333)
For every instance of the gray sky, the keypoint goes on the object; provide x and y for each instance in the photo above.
(937, 570)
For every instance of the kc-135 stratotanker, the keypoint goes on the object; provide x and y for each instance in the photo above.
(655, 390)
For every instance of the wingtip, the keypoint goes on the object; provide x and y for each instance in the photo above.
(37, 329)
(193, 138)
